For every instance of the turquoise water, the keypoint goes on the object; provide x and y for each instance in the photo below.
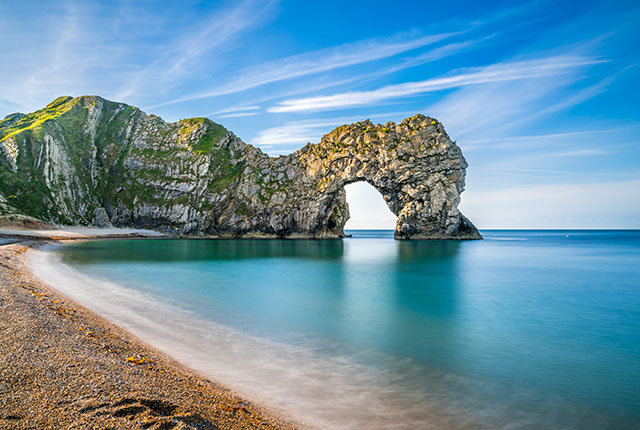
(526, 329)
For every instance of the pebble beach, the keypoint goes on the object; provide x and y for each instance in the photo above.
(61, 366)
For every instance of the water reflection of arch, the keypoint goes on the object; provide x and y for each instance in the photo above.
(426, 275)
(168, 250)
(426, 285)
(415, 250)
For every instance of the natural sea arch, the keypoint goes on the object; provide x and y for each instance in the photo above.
(414, 165)
(106, 163)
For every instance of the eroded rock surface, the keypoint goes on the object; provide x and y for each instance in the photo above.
(90, 161)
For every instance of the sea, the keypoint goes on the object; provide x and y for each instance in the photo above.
(526, 329)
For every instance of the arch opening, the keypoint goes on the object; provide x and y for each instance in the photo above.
(367, 208)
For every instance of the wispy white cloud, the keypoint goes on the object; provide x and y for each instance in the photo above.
(217, 30)
(536, 138)
(497, 110)
(614, 204)
(329, 59)
(295, 134)
(324, 60)
(30, 71)
(238, 114)
(551, 145)
(236, 109)
(501, 72)
(324, 83)
(581, 153)
(552, 103)
(211, 34)
(121, 51)
(435, 54)
(503, 169)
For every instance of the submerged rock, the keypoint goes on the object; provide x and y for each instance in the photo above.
(91, 161)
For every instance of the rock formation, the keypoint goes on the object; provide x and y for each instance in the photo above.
(91, 161)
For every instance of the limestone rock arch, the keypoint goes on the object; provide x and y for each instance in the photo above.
(414, 165)
(88, 160)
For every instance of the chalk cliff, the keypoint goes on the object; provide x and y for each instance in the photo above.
(91, 161)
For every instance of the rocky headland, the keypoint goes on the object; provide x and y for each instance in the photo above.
(93, 162)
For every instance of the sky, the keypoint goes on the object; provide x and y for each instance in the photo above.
(543, 97)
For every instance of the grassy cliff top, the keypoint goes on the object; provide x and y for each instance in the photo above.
(9, 126)
(69, 106)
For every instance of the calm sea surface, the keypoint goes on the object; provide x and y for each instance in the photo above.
(523, 330)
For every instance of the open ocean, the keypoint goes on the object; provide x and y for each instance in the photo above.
(523, 330)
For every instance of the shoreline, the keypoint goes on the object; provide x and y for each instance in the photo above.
(78, 233)
(298, 382)
(63, 365)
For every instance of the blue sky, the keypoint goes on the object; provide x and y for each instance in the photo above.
(543, 97)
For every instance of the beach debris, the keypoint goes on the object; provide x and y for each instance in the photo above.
(239, 407)
(61, 311)
(136, 360)
(107, 347)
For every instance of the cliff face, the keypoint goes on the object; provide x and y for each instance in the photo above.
(92, 161)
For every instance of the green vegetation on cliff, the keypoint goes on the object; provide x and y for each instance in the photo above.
(87, 160)
(81, 149)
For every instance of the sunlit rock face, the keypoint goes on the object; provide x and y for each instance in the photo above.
(414, 165)
(90, 161)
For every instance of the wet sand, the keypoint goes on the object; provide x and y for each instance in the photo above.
(62, 366)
